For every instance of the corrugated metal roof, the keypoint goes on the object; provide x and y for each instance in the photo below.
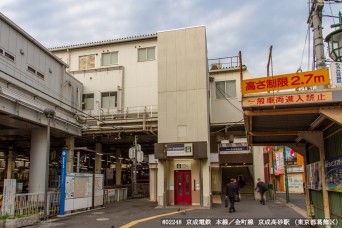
(105, 42)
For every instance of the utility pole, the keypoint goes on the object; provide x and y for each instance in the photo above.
(286, 177)
(315, 21)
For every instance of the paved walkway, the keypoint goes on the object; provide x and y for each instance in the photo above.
(143, 213)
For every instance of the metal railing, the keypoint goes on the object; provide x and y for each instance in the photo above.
(114, 195)
(33, 203)
(224, 63)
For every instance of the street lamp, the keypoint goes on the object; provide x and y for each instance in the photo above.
(49, 113)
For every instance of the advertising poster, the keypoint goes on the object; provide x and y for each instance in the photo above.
(313, 172)
(333, 171)
(290, 156)
(279, 162)
(295, 181)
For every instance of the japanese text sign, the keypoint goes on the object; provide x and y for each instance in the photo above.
(287, 81)
(288, 99)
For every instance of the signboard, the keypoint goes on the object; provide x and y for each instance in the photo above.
(314, 176)
(287, 81)
(279, 162)
(290, 156)
(336, 75)
(8, 196)
(333, 171)
(314, 97)
(295, 182)
(179, 149)
(232, 148)
(183, 165)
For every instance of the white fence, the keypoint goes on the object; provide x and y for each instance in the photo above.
(114, 195)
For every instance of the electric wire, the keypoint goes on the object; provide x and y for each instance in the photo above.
(306, 38)
(226, 96)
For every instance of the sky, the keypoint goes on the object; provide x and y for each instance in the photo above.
(249, 26)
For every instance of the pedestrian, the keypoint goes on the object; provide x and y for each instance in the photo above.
(261, 188)
(231, 190)
(237, 197)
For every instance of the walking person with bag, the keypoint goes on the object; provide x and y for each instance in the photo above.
(261, 188)
(231, 191)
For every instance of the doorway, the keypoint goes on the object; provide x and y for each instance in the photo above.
(183, 187)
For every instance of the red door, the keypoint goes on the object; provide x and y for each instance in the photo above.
(183, 187)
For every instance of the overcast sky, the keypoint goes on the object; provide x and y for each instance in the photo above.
(247, 25)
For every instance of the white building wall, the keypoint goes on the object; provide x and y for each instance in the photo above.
(135, 82)
(227, 110)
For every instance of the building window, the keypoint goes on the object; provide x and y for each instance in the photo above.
(40, 74)
(31, 69)
(88, 101)
(1, 51)
(225, 89)
(109, 100)
(109, 58)
(9, 56)
(87, 62)
(146, 54)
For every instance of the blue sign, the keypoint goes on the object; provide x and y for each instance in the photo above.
(63, 180)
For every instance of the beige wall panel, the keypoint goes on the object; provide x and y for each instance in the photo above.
(201, 68)
(171, 64)
(171, 114)
(195, 197)
(192, 115)
(182, 110)
(162, 69)
(202, 115)
(215, 180)
(162, 118)
(192, 51)
(181, 66)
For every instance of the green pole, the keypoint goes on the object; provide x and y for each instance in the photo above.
(286, 178)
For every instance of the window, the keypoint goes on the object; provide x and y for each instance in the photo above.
(87, 62)
(108, 100)
(1, 51)
(88, 101)
(9, 56)
(40, 74)
(109, 58)
(225, 89)
(31, 69)
(146, 54)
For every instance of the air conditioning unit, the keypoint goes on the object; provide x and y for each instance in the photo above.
(215, 66)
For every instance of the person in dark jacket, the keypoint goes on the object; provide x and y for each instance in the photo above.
(231, 191)
(260, 188)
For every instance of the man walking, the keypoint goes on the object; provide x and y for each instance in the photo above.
(261, 188)
(231, 191)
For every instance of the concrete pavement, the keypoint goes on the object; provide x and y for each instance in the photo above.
(142, 213)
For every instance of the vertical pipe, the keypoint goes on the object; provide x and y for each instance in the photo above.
(165, 184)
(241, 74)
(201, 183)
(47, 171)
(78, 162)
(286, 178)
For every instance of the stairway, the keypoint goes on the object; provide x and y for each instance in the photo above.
(233, 172)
